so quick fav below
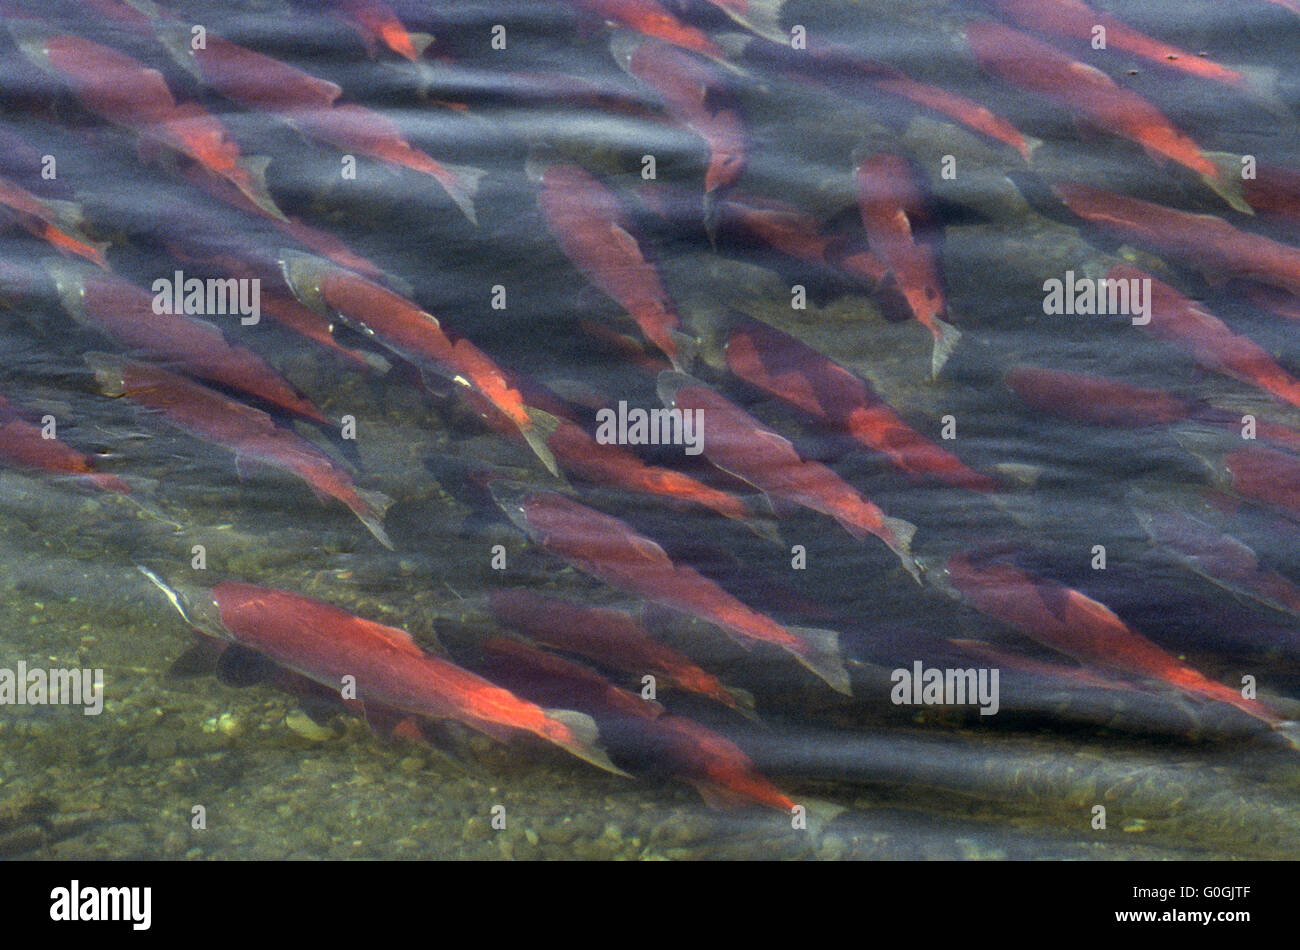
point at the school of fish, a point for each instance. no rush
(661, 561)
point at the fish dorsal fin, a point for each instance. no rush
(398, 639)
(650, 550)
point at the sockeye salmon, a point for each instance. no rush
(25, 445)
(612, 638)
(413, 334)
(128, 93)
(695, 95)
(589, 223)
(1181, 320)
(376, 22)
(1111, 402)
(1210, 244)
(125, 312)
(390, 670)
(609, 550)
(1078, 626)
(57, 223)
(635, 729)
(249, 433)
(889, 200)
(1074, 20)
(790, 370)
(739, 444)
(1030, 64)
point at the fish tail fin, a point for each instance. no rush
(586, 743)
(823, 657)
(900, 542)
(370, 510)
(1262, 83)
(1289, 730)
(821, 813)
(542, 426)
(421, 42)
(1206, 446)
(762, 18)
(742, 701)
(761, 521)
(108, 370)
(688, 350)
(1227, 183)
(255, 188)
(66, 277)
(1032, 145)
(946, 338)
(174, 37)
(462, 185)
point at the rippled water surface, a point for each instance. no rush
(282, 774)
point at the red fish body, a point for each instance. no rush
(888, 200)
(843, 71)
(1078, 626)
(1098, 401)
(1220, 558)
(55, 222)
(797, 234)
(326, 644)
(1031, 64)
(1111, 402)
(721, 772)
(1075, 20)
(611, 638)
(125, 91)
(249, 433)
(609, 550)
(737, 443)
(790, 370)
(581, 455)
(411, 333)
(125, 312)
(1208, 243)
(353, 128)
(377, 23)
(25, 445)
(1274, 192)
(650, 18)
(247, 77)
(692, 91)
(1180, 320)
(588, 221)
(1267, 476)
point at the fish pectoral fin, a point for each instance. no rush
(239, 666)
(542, 427)
(822, 657)
(201, 659)
(821, 813)
(715, 796)
(945, 342)
(255, 166)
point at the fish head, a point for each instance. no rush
(195, 604)
(304, 273)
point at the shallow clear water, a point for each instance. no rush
(1177, 777)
